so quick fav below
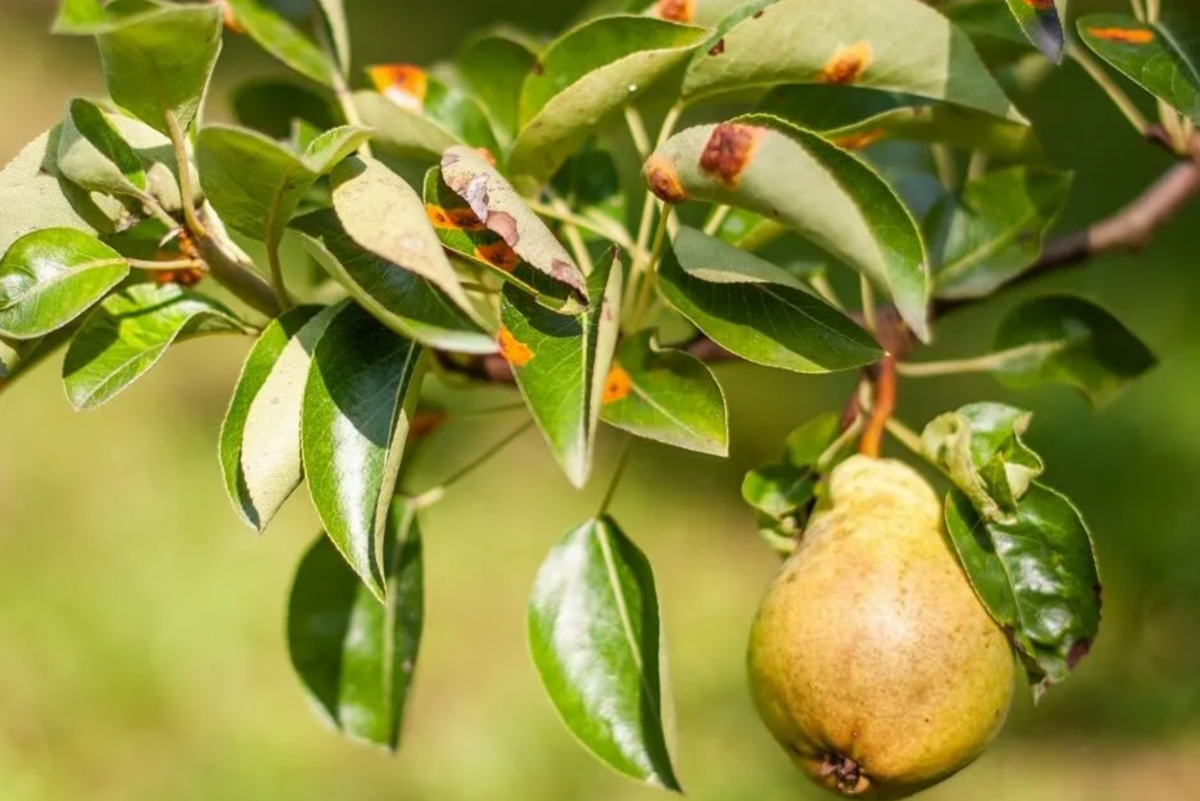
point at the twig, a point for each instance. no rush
(881, 410)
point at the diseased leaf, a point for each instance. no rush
(665, 395)
(494, 65)
(354, 655)
(560, 363)
(1162, 57)
(993, 230)
(50, 277)
(706, 13)
(129, 332)
(899, 46)
(92, 154)
(360, 395)
(1036, 576)
(1040, 22)
(756, 163)
(277, 35)
(590, 72)
(403, 301)
(773, 324)
(1068, 340)
(596, 636)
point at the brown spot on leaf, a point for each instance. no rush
(538, 68)
(617, 384)
(718, 48)
(663, 179)
(676, 10)
(1040, 5)
(425, 423)
(1079, 649)
(1132, 36)
(462, 219)
(499, 255)
(847, 64)
(404, 84)
(486, 155)
(515, 352)
(758, 14)
(861, 140)
(729, 151)
(505, 225)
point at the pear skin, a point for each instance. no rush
(871, 660)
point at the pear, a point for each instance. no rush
(871, 660)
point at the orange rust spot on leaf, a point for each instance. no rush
(677, 10)
(404, 84)
(1040, 5)
(231, 22)
(861, 140)
(847, 64)
(617, 385)
(1133, 36)
(515, 352)
(486, 155)
(663, 179)
(499, 255)
(729, 152)
(462, 219)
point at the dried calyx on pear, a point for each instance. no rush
(871, 660)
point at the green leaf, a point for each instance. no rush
(92, 153)
(78, 17)
(806, 445)
(403, 301)
(993, 230)
(665, 395)
(494, 65)
(903, 46)
(1162, 57)
(355, 655)
(334, 12)
(158, 160)
(706, 13)
(590, 184)
(560, 363)
(993, 30)
(360, 396)
(255, 183)
(756, 163)
(384, 215)
(496, 204)
(260, 437)
(461, 232)
(590, 72)
(157, 64)
(420, 116)
(855, 118)
(595, 633)
(779, 490)
(771, 324)
(50, 277)
(129, 332)
(1036, 576)
(1040, 22)
(272, 106)
(278, 36)
(1067, 340)
(18, 357)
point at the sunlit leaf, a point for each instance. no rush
(276, 34)
(494, 65)
(92, 154)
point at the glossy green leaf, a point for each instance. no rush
(272, 106)
(855, 118)
(276, 34)
(334, 12)
(756, 163)
(1040, 22)
(403, 301)
(260, 437)
(901, 46)
(665, 395)
(50, 277)
(560, 363)
(1162, 57)
(129, 332)
(1036, 576)
(806, 444)
(361, 392)
(78, 17)
(766, 323)
(256, 184)
(157, 64)
(355, 655)
(590, 72)
(1068, 340)
(494, 65)
(596, 637)
(993, 230)
(779, 490)
(496, 204)
(92, 154)
(384, 215)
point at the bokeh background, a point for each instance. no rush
(142, 652)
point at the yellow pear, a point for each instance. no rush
(871, 660)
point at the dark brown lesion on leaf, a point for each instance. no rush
(663, 179)
(729, 151)
(718, 48)
(847, 64)
(1079, 649)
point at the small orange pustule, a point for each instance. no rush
(404, 84)
(617, 385)
(515, 352)
(847, 64)
(663, 179)
(1133, 36)
(1040, 5)
(676, 10)
(499, 255)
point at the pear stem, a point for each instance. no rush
(881, 410)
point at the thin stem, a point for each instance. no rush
(979, 364)
(613, 232)
(471, 286)
(637, 131)
(184, 162)
(840, 444)
(651, 273)
(618, 473)
(978, 165)
(825, 289)
(947, 169)
(1110, 87)
(340, 87)
(669, 123)
(578, 246)
(432, 496)
(1139, 9)
(1153, 10)
(906, 437)
(158, 212)
(868, 304)
(716, 219)
(881, 410)
(277, 282)
(182, 264)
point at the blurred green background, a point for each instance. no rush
(142, 654)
